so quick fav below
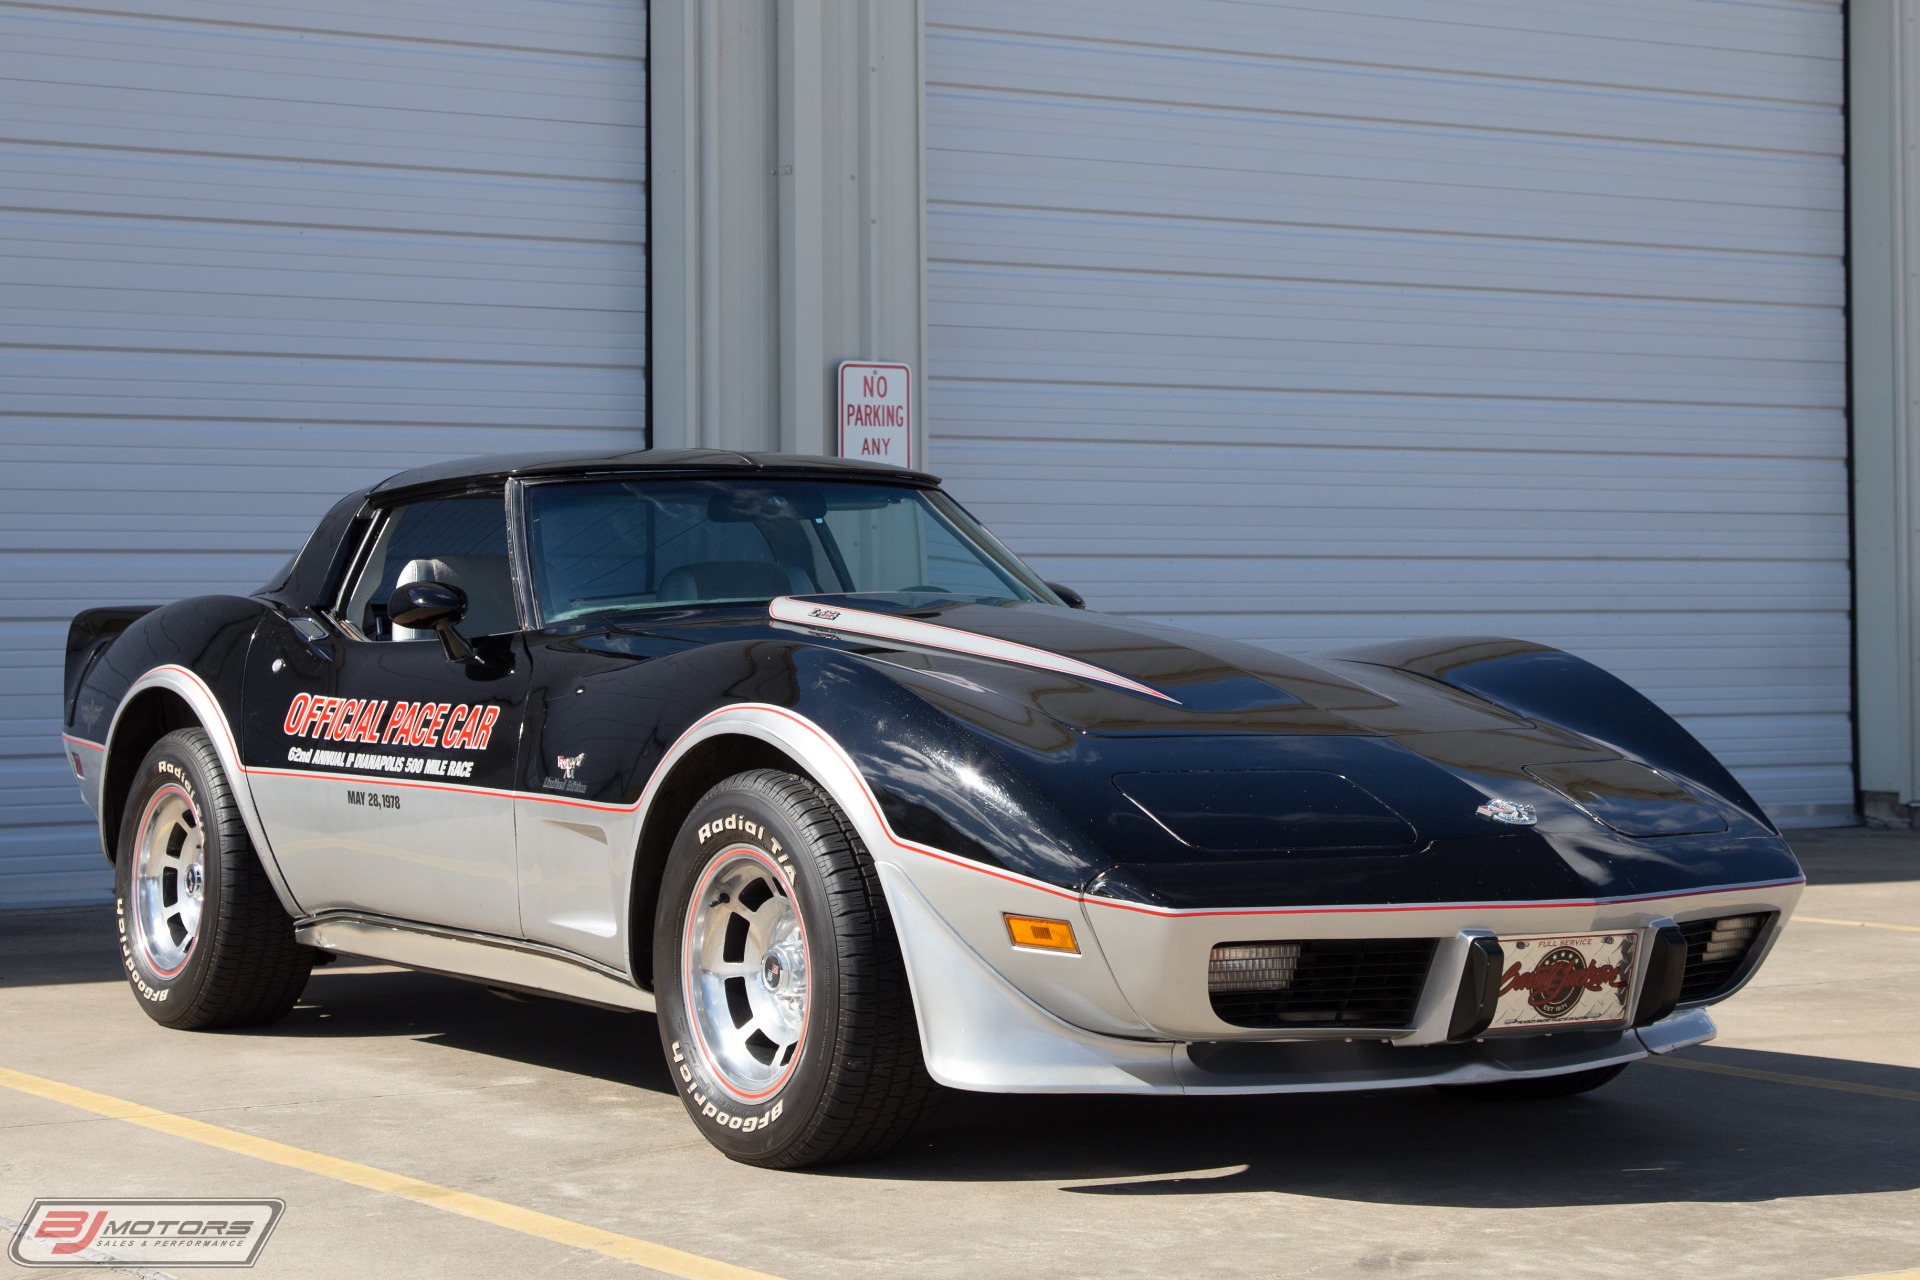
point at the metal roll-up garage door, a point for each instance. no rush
(1313, 325)
(255, 254)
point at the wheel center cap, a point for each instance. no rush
(772, 971)
(196, 881)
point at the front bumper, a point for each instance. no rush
(1132, 1014)
(1159, 958)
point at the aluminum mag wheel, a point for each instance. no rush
(745, 972)
(169, 879)
(203, 937)
(783, 1002)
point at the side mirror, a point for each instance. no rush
(1073, 599)
(432, 606)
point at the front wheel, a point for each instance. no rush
(1534, 1087)
(204, 940)
(783, 1001)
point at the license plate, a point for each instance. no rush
(1565, 981)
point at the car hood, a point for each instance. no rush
(1101, 674)
(1279, 753)
(1170, 767)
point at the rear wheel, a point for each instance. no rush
(783, 1001)
(1532, 1087)
(203, 937)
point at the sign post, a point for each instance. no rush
(876, 412)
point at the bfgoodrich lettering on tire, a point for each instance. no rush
(784, 1008)
(204, 940)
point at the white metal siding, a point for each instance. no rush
(253, 255)
(1319, 325)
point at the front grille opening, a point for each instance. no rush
(1320, 982)
(1717, 952)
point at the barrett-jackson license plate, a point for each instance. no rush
(1565, 982)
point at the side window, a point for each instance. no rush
(459, 541)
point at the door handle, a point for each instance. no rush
(313, 633)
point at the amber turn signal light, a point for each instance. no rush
(1042, 935)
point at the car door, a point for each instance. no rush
(606, 701)
(381, 766)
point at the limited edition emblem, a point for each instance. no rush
(1514, 815)
(568, 766)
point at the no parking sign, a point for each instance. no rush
(876, 412)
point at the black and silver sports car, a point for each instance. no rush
(796, 754)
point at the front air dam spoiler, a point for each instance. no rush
(981, 1033)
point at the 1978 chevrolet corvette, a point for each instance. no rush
(797, 755)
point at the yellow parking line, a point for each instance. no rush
(1863, 924)
(544, 1226)
(1888, 1275)
(1781, 1077)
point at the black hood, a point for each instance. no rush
(1102, 674)
(1171, 767)
(1348, 763)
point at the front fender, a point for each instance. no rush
(1555, 687)
(937, 781)
(965, 933)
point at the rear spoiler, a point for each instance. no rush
(92, 633)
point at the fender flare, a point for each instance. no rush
(962, 1003)
(829, 764)
(200, 699)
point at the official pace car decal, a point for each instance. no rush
(447, 726)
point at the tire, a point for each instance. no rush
(783, 1002)
(225, 957)
(1537, 1087)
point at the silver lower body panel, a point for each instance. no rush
(492, 961)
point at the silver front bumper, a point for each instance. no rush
(1132, 1014)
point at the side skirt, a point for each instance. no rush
(477, 957)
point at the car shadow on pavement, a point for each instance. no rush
(53, 947)
(1656, 1134)
(352, 999)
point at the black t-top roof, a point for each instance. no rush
(501, 466)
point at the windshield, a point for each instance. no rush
(612, 546)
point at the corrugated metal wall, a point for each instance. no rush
(1318, 325)
(253, 255)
